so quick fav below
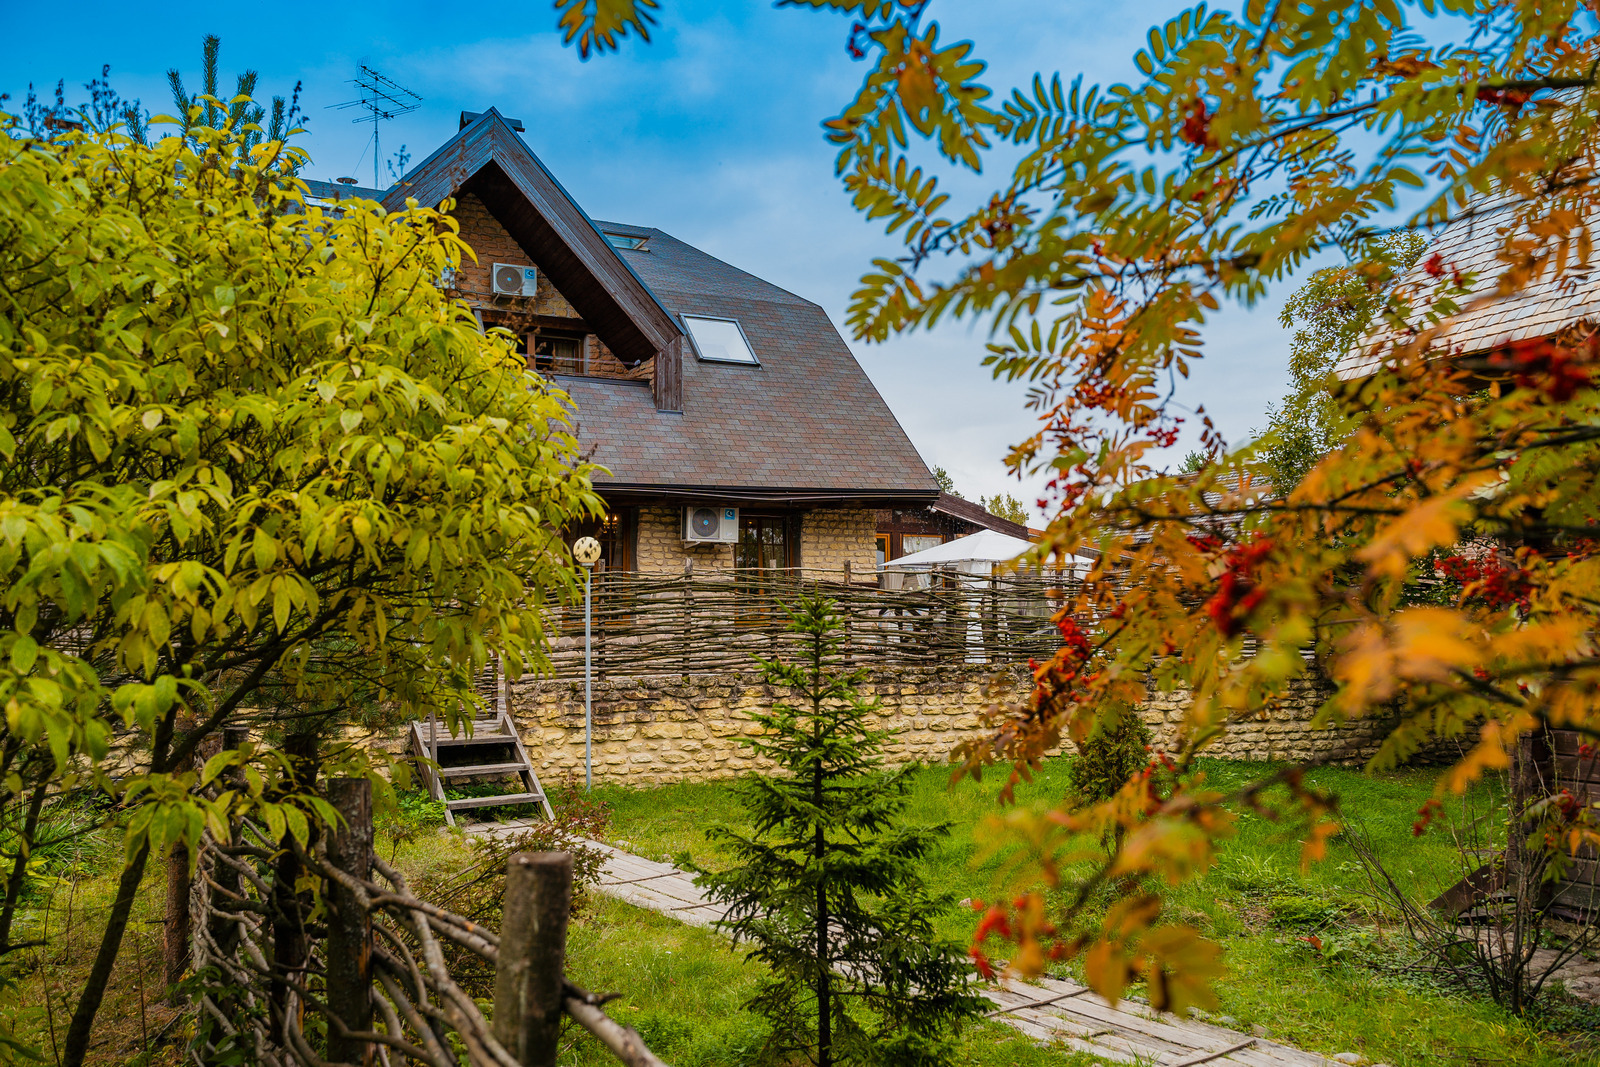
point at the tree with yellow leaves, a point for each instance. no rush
(250, 454)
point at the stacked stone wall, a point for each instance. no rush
(828, 538)
(832, 537)
(670, 728)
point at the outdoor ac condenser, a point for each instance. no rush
(509, 279)
(704, 524)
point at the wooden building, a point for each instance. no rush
(737, 428)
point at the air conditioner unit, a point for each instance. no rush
(512, 280)
(705, 525)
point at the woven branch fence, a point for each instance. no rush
(357, 975)
(652, 624)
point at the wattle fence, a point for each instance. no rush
(357, 976)
(654, 624)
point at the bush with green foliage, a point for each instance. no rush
(1117, 749)
(824, 888)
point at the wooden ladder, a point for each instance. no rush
(491, 749)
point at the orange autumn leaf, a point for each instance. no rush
(1433, 523)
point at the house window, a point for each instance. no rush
(624, 240)
(764, 543)
(883, 549)
(556, 353)
(719, 340)
(910, 543)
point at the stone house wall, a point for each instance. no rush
(491, 244)
(669, 728)
(828, 537)
(831, 537)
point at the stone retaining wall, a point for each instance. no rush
(669, 728)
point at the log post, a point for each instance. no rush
(349, 924)
(528, 982)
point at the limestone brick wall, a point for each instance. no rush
(1282, 731)
(830, 536)
(662, 548)
(668, 728)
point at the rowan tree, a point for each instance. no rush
(1240, 146)
(244, 441)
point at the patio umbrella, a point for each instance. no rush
(985, 546)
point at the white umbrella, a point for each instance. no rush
(985, 546)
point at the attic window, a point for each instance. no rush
(719, 340)
(624, 240)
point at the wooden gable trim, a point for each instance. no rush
(488, 159)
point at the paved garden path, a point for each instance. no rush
(1050, 1011)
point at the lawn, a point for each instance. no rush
(684, 988)
(1356, 994)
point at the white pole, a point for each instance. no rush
(588, 671)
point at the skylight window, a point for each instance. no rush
(624, 240)
(719, 340)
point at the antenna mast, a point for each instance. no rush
(382, 99)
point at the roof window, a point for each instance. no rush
(624, 240)
(719, 340)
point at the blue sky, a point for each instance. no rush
(711, 132)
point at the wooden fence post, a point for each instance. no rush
(528, 982)
(349, 948)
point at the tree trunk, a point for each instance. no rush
(19, 868)
(819, 849)
(349, 944)
(77, 1041)
(175, 934)
(290, 946)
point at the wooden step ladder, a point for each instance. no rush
(492, 749)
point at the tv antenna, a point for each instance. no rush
(382, 99)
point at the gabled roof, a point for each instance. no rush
(1470, 245)
(805, 425)
(488, 159)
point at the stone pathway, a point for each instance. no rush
(1051, 1011)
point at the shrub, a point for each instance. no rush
(1116, 750)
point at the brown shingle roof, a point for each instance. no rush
(1470, 245)
(805, 424)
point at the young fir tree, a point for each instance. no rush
(824, 887)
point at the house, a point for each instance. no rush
(737, 428)
(1470, 245)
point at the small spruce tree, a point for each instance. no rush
(824, 887)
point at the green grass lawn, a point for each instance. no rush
(684, 988)
(1354, 996)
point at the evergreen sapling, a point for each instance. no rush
(824, 888)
